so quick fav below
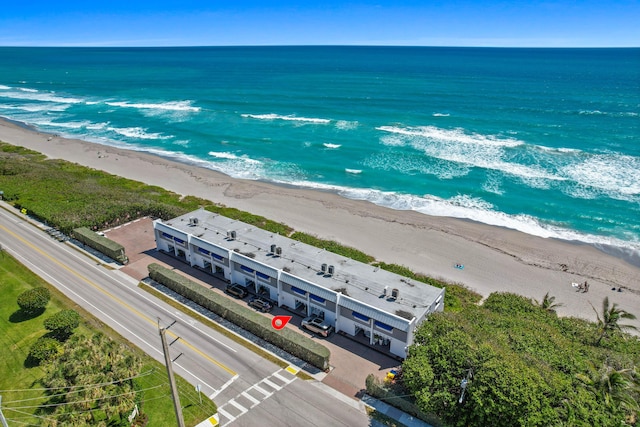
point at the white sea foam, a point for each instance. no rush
(332, 146)
(353, 171)
(26, 89)
(346, 125)
(441, 114)
(3, 87)
(40, 96)
(32, 108)
(287, 118)
(618, 175)
(457, 135)
(230, 156)
(472, 149)
(166, 106)
(139, 133)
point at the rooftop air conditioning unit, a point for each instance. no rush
(273, 249)
(323, 268)
(193, 221)
(330, 270)
(231, 234)
(395, 293)
(386, 290)
(278, 251)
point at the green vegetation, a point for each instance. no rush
(67, 196)
(113, 250)
(63, 323)
(34, 301)
(525, 367)
(609, 321)
(22, 380)
(291, 341)
(255, 220)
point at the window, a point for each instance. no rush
(218, 257)
(383, 326)
(167, 236)
(179, 240)
(247, 269)
(262, 275)
(317, 299)
(359, 316)
(204, 251)
(298, 291)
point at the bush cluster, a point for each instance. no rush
(34, 300)
(290, 341)
(63, 323)
(45, 350)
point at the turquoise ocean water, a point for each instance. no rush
(546, 141)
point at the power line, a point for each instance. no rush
(141, 375)
(85, 401)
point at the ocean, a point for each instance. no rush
(545, 141)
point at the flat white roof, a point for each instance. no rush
(359, 281)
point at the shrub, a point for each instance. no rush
(63, 323)
(45, 350)
(34, 300)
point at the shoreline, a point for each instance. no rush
(495, 258)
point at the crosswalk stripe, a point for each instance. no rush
(226, 414)
(271, 384)
(249, 397)
(241, 408)
(283, 379)
(263, 391)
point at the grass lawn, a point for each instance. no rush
(19, 382)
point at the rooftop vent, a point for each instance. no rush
(231, 235)
(395, 293)
(193, 220)
(278, 251)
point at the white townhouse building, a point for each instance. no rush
(358, 299)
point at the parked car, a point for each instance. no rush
(260, 304)
(317, 325)
(237, 291)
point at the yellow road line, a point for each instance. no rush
(116, 299)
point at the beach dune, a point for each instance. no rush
(494, 258)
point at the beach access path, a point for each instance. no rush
(495, 259)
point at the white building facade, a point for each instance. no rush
(356, 298)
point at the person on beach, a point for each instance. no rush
(585, 287)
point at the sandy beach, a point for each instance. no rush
(494, 259)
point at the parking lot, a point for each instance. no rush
(351, 361)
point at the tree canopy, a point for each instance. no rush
(525, 367)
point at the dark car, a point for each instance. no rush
(261, 305)
(317, 325)
(237, 291)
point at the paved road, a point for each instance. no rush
(248, 389)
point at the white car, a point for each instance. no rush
(317, 325)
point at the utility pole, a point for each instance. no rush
(172, 382)
(2, 419)
(464, 383)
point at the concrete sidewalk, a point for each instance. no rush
(394, 413)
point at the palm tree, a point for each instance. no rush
(616, 389)
(549, 303)
(610, 319)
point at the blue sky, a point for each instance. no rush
(562, 23)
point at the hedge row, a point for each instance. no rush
(113, 250)
(287, 339)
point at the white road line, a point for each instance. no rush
(241, 408)
(225, 385)
(59, 285)
(226, 414)
(273, 385)
(283, 379)
(247, 396)
(261, 390)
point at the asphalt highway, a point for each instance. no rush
(248, 389)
